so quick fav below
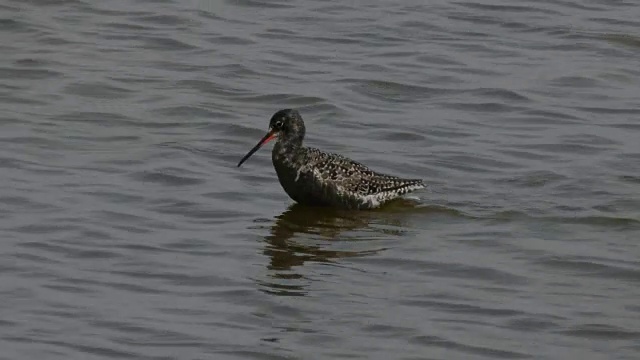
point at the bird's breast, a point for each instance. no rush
(288, 172)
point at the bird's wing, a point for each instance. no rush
(352, 177)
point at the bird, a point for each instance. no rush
(317, 178)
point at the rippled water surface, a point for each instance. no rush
(128, 232)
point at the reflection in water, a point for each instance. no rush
(320, 223)
(303, 233)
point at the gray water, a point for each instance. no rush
(128, 232)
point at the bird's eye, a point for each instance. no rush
(279, 124)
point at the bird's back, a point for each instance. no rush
(332, 179)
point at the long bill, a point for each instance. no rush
(270, 136)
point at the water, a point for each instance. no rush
(129, 233)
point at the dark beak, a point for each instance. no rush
(270, 136)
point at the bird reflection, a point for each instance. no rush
(307, 234)
(320, 223)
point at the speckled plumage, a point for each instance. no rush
(311, 176)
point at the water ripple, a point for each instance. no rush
(129, 232)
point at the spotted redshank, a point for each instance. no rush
(313, 177)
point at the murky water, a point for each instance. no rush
(129, 233)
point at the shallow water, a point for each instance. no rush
(129, 232)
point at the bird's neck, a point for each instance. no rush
(287, 147)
